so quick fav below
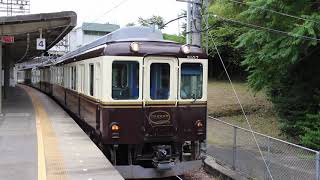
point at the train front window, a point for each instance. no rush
(191, 81)
(125, 80)
(159, 81)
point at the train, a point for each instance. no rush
(140, 98)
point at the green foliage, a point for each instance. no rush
(223, 34)
(311, 128)
(156, 21)
(285, 65)
(269, 55)
(176, 38)
(311, 138)
(130, 24)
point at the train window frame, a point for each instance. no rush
(138, 73)
(98, 81)
(173, 62)
(201, 81)
(204, 63)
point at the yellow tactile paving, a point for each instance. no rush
(50, 159)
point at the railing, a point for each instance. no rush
(235, 147)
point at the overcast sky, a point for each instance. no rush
(103, 11)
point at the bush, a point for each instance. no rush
(297, 100)
(311, 137)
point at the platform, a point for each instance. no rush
(39, 140)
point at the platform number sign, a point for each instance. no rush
(41, 44)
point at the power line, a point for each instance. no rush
(110, 10)
(257, 27)
(269, 29)
(242, 109)
(180, 17)
(276, 12)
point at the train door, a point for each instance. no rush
(160, 95)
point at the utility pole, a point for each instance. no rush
(194, 19)
(196, 23)
(207, 26)
(188, 37)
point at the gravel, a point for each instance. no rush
(198, 175)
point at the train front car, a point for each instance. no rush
(153, 122)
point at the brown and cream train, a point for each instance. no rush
(142, 99)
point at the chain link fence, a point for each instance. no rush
(235, 147)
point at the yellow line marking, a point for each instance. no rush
(50, 159)
(42, 174)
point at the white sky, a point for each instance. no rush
(129, 11)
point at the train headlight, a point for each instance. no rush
(115, 127)
(134, 47)
(199, 124)
(115, 130)
(185, 49)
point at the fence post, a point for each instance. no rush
(268, 158)
(318, 166)
(234, 148)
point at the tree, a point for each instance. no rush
(156, 21)
(282, 64)
(130, 24)
(176, 38)
(224, 35)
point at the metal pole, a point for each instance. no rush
(268, 155)
(188, 24)
(234, 157)
(196, 23)
(207, 26)
(318, 166)
(1, 79)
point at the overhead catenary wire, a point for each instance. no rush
(257, 27)
(107, 12)
(27, 49)
(276, 12)
(268, 29)
(165, 24)
(242, 109)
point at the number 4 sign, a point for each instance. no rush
(41, 44)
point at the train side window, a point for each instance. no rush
(97, 84)
(75, 78)
(82, 78)
(191, 81)
(125, 80)
(62, 76)
(91, 79)
(159, 81)
(72, 78)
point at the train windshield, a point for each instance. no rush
(125, 80)
(191, 81)
(159, 81)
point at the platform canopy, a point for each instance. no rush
(25, 29)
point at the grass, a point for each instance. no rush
(223, 104)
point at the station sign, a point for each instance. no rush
(7, 39)
(41, 44)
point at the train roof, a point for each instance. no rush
(118, 43)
